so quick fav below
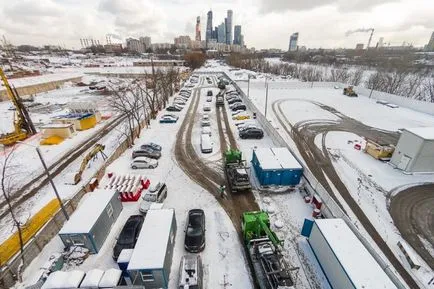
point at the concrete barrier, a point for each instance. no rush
(38, 88)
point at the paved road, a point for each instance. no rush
(319, 162)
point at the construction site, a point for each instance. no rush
(244, 179)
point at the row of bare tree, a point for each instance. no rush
(141, 99)
(403, 82)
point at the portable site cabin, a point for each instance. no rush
(81, 121)
(91, 222)
(415, 150)
(276, 166)
(345, 261)
(55, 133)
(379, 151)
(151, 260)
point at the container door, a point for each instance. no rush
(405, 160)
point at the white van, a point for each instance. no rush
(205, 143)
(206, 107)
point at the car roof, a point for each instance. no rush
(141, 158)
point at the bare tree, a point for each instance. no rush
(7, 188)
(429, 90)
(356, 77)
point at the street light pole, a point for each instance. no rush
(52, 183)
(248, 86)
(266, 99)
(62, 207)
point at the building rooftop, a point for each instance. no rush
(276, 158)
(88, 212)
(357, 262)
(151, 246)
(423, 132)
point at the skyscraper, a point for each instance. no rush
(229, 27)
(221, 35)
(293, 42)
(209, 27)
(237, 34)
(198, 36)
(430, 45)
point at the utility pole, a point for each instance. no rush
(52, 184)
(248, 86)
(266, 100)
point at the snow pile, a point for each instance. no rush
(93, 278)
(110, 278)
(60, 279)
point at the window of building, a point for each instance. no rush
(147, 276)
(109, 210)
(77, 240)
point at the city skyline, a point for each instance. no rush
(64, 22)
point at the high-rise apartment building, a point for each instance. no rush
(146, 42)
(293, 42)
(237, 34)
(228, 21)
(209, 27)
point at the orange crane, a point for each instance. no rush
(23, 125)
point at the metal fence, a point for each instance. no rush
(331, 209)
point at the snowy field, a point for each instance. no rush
(368, 180)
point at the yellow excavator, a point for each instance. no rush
(349, 91)
(23, 125)
(98, 148)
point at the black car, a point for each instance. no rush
(151, 145)
(251, 133)
(239, 107)
(209, 93)
(234, 100)
(195, 231)
(128, 237)
(173, 108)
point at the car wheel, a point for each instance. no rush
(134, 167)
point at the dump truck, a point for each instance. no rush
(219, 100)
(236, 171)
(221, 84)
(264, 252)
(349, 91)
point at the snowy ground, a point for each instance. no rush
(223, 256)
(377, 179)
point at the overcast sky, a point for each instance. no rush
(265, 23)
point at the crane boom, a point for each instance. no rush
(370, 38)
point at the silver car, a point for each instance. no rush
(143, 163)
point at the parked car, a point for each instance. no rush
(168, 118)
(230, 97)
(190, 272)
(206, 130)
(247, 126)
(205, 116)
(205, 144)
(154, 146)
(234, 100)
(143, 163)
(205, 122)
(239, 106)
(245, 122)
(128, 237)
(195, 231)
(147, 152)
(155, 194)
(209, 99)
(209, 93)
(173, 108)
(251, 133)
(206, 107)
(241, 116)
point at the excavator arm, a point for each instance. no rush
(98, 148)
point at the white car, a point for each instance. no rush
(205, 122)
(205, 116)
(206, 130)
(156, 194)
(143, 163)
(206, 107)
(245, 122)
(209, 98)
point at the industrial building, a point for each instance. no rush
(276, 166)
(345, 261)
(80, 121)
(90, 224)
(415, 150)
